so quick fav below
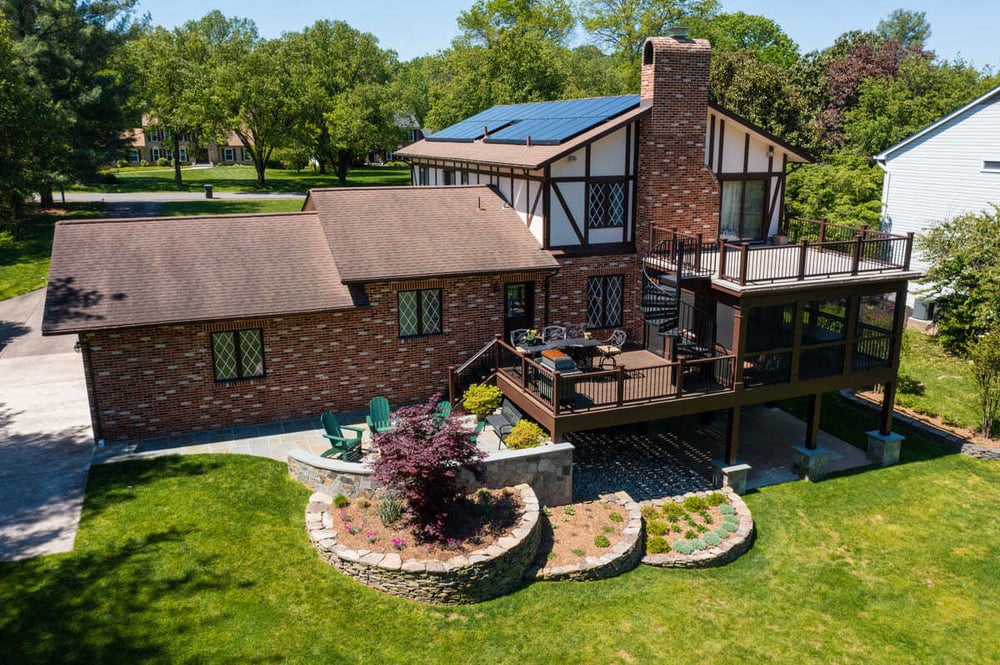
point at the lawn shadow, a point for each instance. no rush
(64, 613)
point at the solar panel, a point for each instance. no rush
(547, 123)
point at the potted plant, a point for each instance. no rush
(481, 399)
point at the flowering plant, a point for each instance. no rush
(372, 536)
(531, 336)
(454, 544)
(398, 543)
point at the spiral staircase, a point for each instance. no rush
(691, 329)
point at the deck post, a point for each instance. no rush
(697, 254)
(555, 392)
(722, 259)
(803, 253)
(856, 259)
(744, 257)
(909, 250)
(812, 421)
(621, 386)
(888, 405)
(496, 352)
(451, 383)
(822, 231)
(732, 435)
(680, 377)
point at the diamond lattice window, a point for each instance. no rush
(238, 354)
(607, 204)
(604, 301)
(419, 312)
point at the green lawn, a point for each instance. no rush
(24, 263)
(206, 559)
(244, 179)
(229, 207)
(935, 383)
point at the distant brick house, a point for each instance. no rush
(657, 214)
(150, 143)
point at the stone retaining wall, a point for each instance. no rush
(728, 550)
(623, 557)
(331, 476)
(467, 578)
(548, 469)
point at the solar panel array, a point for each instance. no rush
(545, 123)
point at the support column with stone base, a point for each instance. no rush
(883, 449)
(733, 476)
(810, 463)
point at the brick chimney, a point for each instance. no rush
(675, 187)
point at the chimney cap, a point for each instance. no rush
(678, 32)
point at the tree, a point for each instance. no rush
(342, 79)
(964, 275)
(622, 26)
(487, 21)
(421, 457)
(16, 133)
(984, 356)
(908, 28)
(171, 67)
(844, 189)
(68, 54)
(749, 32)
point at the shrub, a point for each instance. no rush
(144, 163)
(163, 161)
(715, 499)
(608, 529)
(727, 510)
(657, 528)
(731, 519)
(578, 552)
(481, 399)
(676, 528)
(420, 458)
(694, 503)
(711, 539)
(649, 513)
(569, 510)
(673, 511)
(389, 509)
(690, 534)
(657, 545)
(525, 434)
(701, 528)
(730, 527)
(602, 541)
(616, 517)
(698, 544)
(121, 163)
(341, 501)
(721, 533)
(683, 547)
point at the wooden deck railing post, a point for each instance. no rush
(744, 259)
(803, 254)
(909, 251)
(856, 259)
(680, 377)
(451, 383)
(722, 260)
(524, 372)
(555, 392)
(496, 352)
(621, 386)
(697, 254)
(822, 230)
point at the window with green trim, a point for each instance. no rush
(419, 312)
(238, 354)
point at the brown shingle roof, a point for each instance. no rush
(532, 157)
(133, 272)
(383, 233)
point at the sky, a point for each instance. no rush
(959, 28)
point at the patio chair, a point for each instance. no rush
(551, 333)
(442, 411)
(611, 348)
(517, 335)
(340, 445)
(575, 331)
(378, 415)
(474, 436)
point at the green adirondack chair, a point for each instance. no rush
(378, 415)
(442, 411)
(340, 444)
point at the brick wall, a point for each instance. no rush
(157, 381)
(675, 187)
(568, 290)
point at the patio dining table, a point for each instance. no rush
(579, 344)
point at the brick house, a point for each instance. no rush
(658, 214)
(150, 143)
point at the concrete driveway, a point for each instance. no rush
(46, 442)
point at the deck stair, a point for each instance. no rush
(664, 272)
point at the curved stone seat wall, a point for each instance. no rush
(728, 550)
(465, 578)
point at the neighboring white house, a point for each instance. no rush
(947, 169)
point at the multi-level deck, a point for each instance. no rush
(807, 317)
